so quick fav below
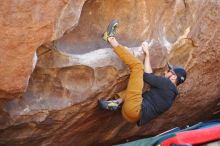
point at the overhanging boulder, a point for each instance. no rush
(59, 106)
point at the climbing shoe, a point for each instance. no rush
(109, 105)
(111, 30)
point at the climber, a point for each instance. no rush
(137, 107)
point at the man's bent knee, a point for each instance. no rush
(131, 113)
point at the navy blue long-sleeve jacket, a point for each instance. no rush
(158, 99)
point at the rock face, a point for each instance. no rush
(59, 106)
(25, 25)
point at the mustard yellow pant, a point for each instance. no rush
(132, 96)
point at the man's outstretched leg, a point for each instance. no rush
(133, 96)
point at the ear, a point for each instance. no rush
(174, 77)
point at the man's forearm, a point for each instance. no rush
(147, 65)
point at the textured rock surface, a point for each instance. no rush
(59, 106)
(25, 25)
